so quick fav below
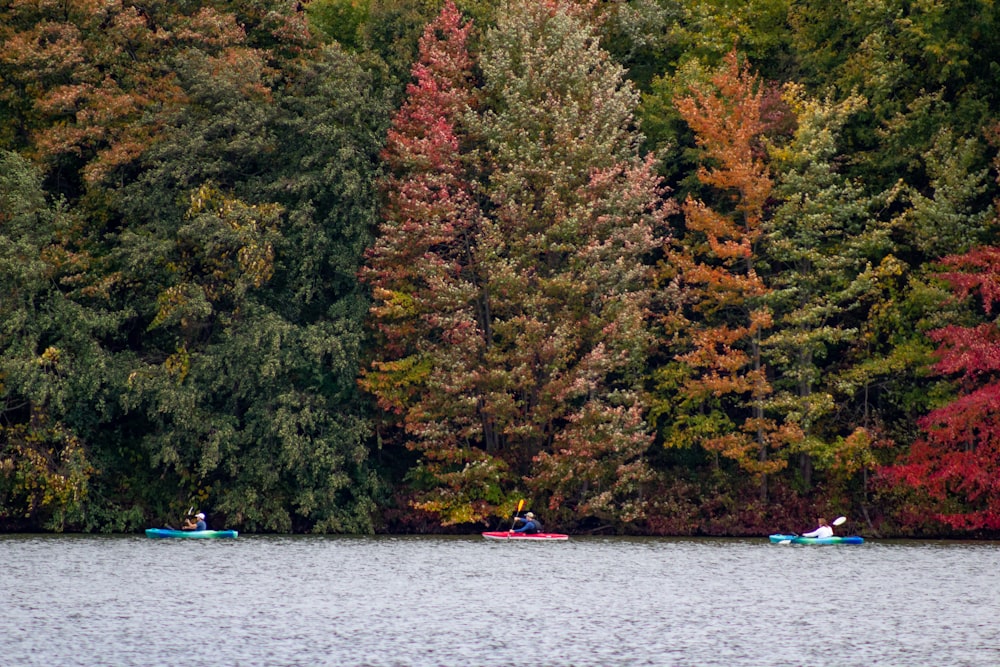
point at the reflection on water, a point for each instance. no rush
(431, 601)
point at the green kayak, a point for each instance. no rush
(190, 534)
(796, 539)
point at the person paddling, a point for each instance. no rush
(198, 523)
(531, 524)
(824, 529)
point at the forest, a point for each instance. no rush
(652, 267)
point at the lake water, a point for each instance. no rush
(456, 601)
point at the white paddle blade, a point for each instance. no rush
(839, 520)
(785, 542)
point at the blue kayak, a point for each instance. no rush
(190, 534)
(796, 539)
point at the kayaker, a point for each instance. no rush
(824, 529)
(196, 525)
(531, 524)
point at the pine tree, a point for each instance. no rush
(817, 244)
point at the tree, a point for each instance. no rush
(818, 243)
(222, 202)
(531, 299)
(575, 217)
(725, 389)
(245, 377)
(50, 364)
(954, 466)
(431, 308)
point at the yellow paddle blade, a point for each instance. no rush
(520, 504)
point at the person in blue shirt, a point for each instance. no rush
(531, 524)
(196, 525)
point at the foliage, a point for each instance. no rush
(339, 20)
(513, 326)
(204, 249)
(955, 463)
(430, 306)
(48, 365)
(222, 254)
(727, 312)
(247, 382)
(921, 65)
(817, 243)
(576, 217)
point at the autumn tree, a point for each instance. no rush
(723, 386)
(574, 218)
(953, 467)
(431, 307)
(530, 299)
(86, 84)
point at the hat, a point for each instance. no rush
(199, 515)
(530, 515)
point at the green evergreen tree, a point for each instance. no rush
(819, 243)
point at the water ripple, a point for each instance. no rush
(431, 602)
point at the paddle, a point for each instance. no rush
(520, 504)
(836, 522)
(169, 527)
(187, 519)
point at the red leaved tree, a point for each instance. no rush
(431, 307)
(956, 464)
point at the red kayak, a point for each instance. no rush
(536, 537)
